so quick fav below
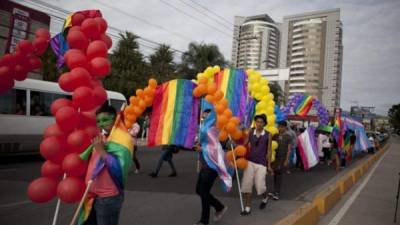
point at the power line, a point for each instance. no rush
(143, 20)
(194, 18)
(214, 13)
(205, 14)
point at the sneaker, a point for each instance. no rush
(276, 196)
(245, 213)
(154, 175)
(173, 174)
(264, 203)
(218, 215)
(270, 194)
(136, 171)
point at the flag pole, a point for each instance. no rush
(237, 174)
(57, 207)
(89, 184)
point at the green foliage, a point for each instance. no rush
(49, 67)
(162, 66)
(394, 116)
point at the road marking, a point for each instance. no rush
(14, 204)
(353, 197)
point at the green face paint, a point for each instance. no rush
(104, 120)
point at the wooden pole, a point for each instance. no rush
(237, 175)
(57, 207)
(81, 203)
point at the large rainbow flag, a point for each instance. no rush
(175, 114)
(119, 147)
(232, 82)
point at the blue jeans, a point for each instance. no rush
(166, 155)
(105, 210)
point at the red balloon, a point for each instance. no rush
(87, 118)
(53, 130)
(100, 66)
(78, 138)
(96, 83)
(6, 72)
(96, 49)
(20, 57)
(77, 39)
(42, 189)
(71, 189)
(106, 39)
(40, 44)
(52, 148)
(74, 28)
(58, 104)
(8, 60)
(75, 58)
(74, 166)
(102, 24)
(81, 77)
(25, 46)
(92, 131)
(83, 98)
(20, 73)
(42, 33)
(51, 170)
(65, 82)
(6, 83)
(90, 28)
(99, 96)
(67, 119)
(77, 19)
(34, 63)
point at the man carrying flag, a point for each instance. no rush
(109, 157)
(213, 164)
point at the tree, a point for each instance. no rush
(162, 66)
(129, 71)
(49, 68)
(198, 57)
(394, 116)
(277, 91)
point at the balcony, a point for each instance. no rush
(297, 72)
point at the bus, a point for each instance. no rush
(25, 114)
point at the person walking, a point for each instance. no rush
(134, 131)
(166, 155)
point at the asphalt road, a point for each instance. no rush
(161, 200)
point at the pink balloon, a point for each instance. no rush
(42, 189)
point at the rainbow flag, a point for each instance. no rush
(232, 82)
(175, 114)
(346, 146)
(119, 147)
(305, 105)
(338, 131)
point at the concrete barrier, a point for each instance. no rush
(345, 183)
(356, 174)
(306, 214)
(326, 199)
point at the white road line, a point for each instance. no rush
(353, 197)
(14, 204)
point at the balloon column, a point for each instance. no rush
(17, 65)
(138, 103)
(75, 119)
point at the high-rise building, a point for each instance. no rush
(311, 46)
(255, 42)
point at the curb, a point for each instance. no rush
(325, 200)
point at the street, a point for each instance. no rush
(161, 200)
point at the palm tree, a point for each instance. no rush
(198, 57)
(162, 66)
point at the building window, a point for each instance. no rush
(13, 102)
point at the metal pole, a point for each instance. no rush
(397, 200)
(237, 175)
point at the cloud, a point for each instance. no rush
(371, 34)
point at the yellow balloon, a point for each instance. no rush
(216, 69)
(199, 76)
(271, 119)
(258, 96)
(274, 145)
(271, 95)
(270, 111)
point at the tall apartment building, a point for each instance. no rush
(255, 42)
(311, 46)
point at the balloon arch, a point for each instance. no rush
(302, 104)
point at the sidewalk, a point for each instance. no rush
(372, 200)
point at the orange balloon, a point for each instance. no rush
(203, 80)
(196, 92)
(229, 156)
(147, 91)
(218, 95)
(230, 127)
(128, 124)
(202, 88)
(241, 163)
(219, 124)
(237, 134)
(131, 118)
(129, 109)
(219, 108)
(137, 111)
(223, 135)
(140, 93)
(152, 92)
(210, 98)
(153, 83)
(228, 113)
(240, 151)
(222, 119)
(142, 104)
(235, 120)
(211, 89)
(224, 102)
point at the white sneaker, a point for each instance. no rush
(136, 171)
(218, 215)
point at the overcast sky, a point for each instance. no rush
(371, 34)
